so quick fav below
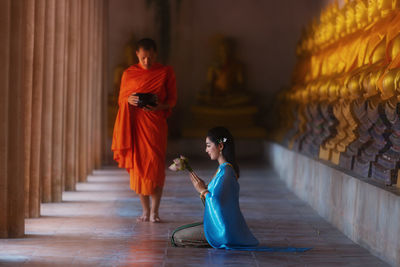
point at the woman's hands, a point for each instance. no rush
(198, 183)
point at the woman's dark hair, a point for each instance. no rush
(222, 135)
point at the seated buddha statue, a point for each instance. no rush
(224, 99)
(350, 11)
(358, 110)
(376, 121)
(225, 78)
(384, 7)
(329, 122)
(373, 11)
(385, 166)
(340, 24)
(313, 123)
(334, 101)
(338, 109)
(346, 129)
(323, 121)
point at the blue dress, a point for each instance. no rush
(224, 224)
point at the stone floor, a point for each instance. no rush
(95, 226)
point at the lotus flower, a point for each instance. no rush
(180, 164)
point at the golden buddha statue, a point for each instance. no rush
(384, 165)
(351, 23)
(388, 90)
(333, 98)
(361, 13)
(349, 92)
(395, 47)
(357, 112)
(385, 133)
(320, 118)
(373, 11)
(340, 24)
(225, 78)
(329, 121)
(350, 62)
(384, 6)
(386, 82)
(329, 31)
(224, 100)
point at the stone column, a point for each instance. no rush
(58, 109)
(83, 93)
(98, 87)
(29, 36)
(5, 22)
(104, 80)
(11, 129)
(38, 63)
(90, 84)
(46, 159)
(77, 95)
(72, 72)
(64, 97)
(15, 169)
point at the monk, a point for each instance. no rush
(140, 133)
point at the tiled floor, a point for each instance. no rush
(95, 226)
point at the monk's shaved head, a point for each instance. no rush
(146, 44)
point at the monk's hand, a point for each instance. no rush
(133, 99)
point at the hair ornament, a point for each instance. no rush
(223, 140)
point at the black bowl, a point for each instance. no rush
(146, 99)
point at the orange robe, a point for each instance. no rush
(140, 137)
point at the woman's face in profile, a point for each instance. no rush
(211, 149)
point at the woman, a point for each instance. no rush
(223, 223)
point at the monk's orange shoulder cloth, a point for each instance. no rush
(122, 138)
(159, 80)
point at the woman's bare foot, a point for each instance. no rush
(143, 218)
(154, 218)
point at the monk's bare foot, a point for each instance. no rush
(143, 218)
(154, 218)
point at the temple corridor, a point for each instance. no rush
(95, 226)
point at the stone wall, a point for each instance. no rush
(366, 213)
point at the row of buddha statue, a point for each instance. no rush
(344, 104)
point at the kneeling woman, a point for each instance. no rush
(223, 223)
